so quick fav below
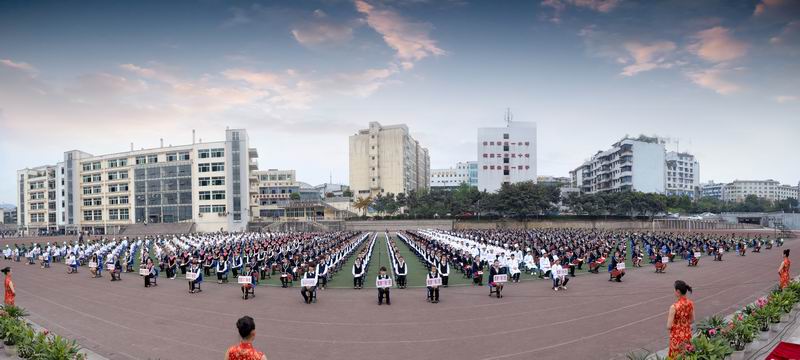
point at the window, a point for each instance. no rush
(141, 160)
(218, 208)
(217, 153)
(118, 188)
(152, 159)
(505, 160)
(203, 154)
(505, 136)
(87, 215)
(205, 195)
(217, 166)
(204, 181)
(172, 157)
(118, 200)
(204, 209)
(183, 156)
(218, 195)
(218, 180)
(204, 167)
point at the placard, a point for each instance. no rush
(383, 283)
(697, 254)
(620, 266)
(245, 279)
(433, 282)
(40, 257)
(501, 278)
(92, 265)
(664, 259)
(144, 272)
(110, 267)
(562, 273)
(544, 264)
(305, 282)
(192, 276)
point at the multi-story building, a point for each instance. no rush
(273, 192)
(9, 216)
(453, 177)
(769, 189)
(386, 159)
(472, 166)
(682, 174)
(712, 190)
(554, 181)
(506, 155)
(630, 165)
(204, 183)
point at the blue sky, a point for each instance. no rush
(719, 78)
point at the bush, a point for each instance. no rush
(741, 331)
(712, 326)
(14, 312)
(703, 348)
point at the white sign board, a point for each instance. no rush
(110, 267)
(562, 273)
(41, 257)
(620, 266)
(92, 265)
(383, 283)
(433, 282)
(192, 276)
(664, 259)
(500, 278)
(308, 282)
(144, 272)
(245, 279)
(697, 254)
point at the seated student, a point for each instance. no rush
(309, 292)
(692, 258)
(72, 261)
(616, 274)
(194, 285)
(513, 268)
(237, 264)
(718, 254)
(637, 258)
(477, 272)
(383, 293)
(95, 266)
(660, 265)
(595, 265)
(46, 259)
(559, 280)
(358, 274)
(152, 273)
(402, 272)
(222, 270)
(286, 273)
(116, 274)
(249, 289)
(245, 349)
(496, 288)
(172, 266)
(433, 291)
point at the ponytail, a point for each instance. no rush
(681, 286)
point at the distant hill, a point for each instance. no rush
(7, 206)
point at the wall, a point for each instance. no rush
(391, 225)
(648, 167)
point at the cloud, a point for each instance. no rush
(239, 17)
(322, 31)
(647, 57)
(789, 35)
(410, 40)
(778, 8)
(714, 79)
(717, 45)
(365, 83)
(559, 6)
(22, 66)
(783, 99)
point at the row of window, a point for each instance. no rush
(37, 185)
(205, 209)
(514, 155)
(37, 196)
(211, 153)
(97, 189)
(505, 143)
(37, 206)
(212, 181)
(117, 175)
(206, 167)
(97, 201)
(89, 166)
(36, 218)
(113, 214)
(506, 167)
(212, 195)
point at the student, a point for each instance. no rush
(94, 266)
(322, 273)
(444, 269)
(116, 274)
(383, 292)
(559, 281)
(222, 270)
(172, 265)
(249, 289)
(237, 264)
(402, 272)
(433, 291)
(245, 350)
(10, 291)
(513, 268)
(309, 292)
(497, 287)
(358, 274)
(152, 273)
(286, 275)
(194, 285)
(477, 271)
(73, 264)
(679, 320)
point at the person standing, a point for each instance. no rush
(444, 270)
(433, 291)
(679, 320)
(358, 274)
(402, 272)
(383, 293)
(11, 293)
(245, 350)
(784, 269)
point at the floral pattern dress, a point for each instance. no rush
(244, 351)
(681, 333)
(9, 295)
(785, 273)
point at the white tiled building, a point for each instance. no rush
(451, 177)
(682, 174)
(769, 189)
(630, 164)
(506, 155)
(205, 183)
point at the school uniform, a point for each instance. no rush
(358, 276)
(309, 292)
(444, 270)
(433, 291)
(383, 292)
(402, 272)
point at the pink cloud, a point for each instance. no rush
(559, 6)
(647, 57)
(765, 7)
(411, 40)
(714, 79)
(22, 66)
(783, 99)
(717, 45)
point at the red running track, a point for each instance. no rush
(593, 319)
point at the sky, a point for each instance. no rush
(720, 79)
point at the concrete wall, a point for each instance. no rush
(393, 225)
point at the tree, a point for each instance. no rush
(294, 196)
(363, 204)
(347, 193)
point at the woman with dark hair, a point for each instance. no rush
(245, 350)
(679, 320)
(9, 285)
(784, 270)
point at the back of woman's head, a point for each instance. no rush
(681, 286)
(786, 252)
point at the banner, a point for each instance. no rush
(434, 282)
(664, 259)
(110, 267)
(620, 266)
(500, 278)
(144, 272)
(192, 276)
(562, 273)
(697, 254)
(245, 279)
(383, 283)
(308, 282)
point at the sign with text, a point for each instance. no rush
(501, 278)
(144, 272)
(308, 282)
(110, 267)
(383, 283)
(562, 272)
(697, 254)
(621, 266)
(245, 279)
(92, 265)
(192, 276)
(433, 282)
(664, 259)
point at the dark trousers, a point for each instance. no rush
(478, 279)
(235, 272)
(323, 280)
(308, 293)
(358, 281)
(194, 285)
(207, 270)
(433, 293)
(515, 277)
(444, 280)
(147, 280)
(183, 269)
(284, 281)
(383, 293)
(401, 280)
(222, 276)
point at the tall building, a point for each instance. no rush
(205, 183)
(386, 159)
(712, 190)
(769, 189)
(554, 181)
(630, 165)
(273, 191)
(453, 177)
(683, 174)
(506, 155)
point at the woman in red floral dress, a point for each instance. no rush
(245, 350)
(679, 320)
(783, 270)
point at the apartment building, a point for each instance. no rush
(768, 189)
(386, 159)
(453, 177)
(272, 193)
(682, 174)
(506, 155)
(629, 165)
(205, 183)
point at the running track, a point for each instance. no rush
(594, 319)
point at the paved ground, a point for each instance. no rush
(594, 319)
